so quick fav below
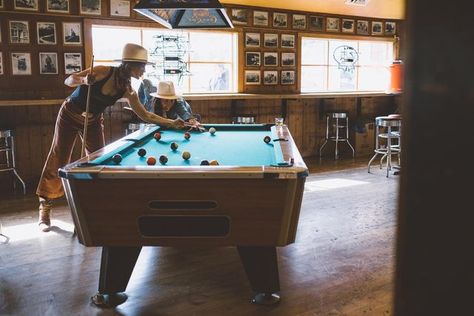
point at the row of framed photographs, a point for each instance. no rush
(86, 7)
(270, 77)
(240, 16)
(48, 63)
(270, 40)
(252, 59)
(45, 33)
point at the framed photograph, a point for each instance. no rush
(362, 27)
(46, 32)
(48, 63)
(1, 63)
(19, 32)
(288, 59)
(287, 77)
(287, 41)
(30, 5)
(270, 40)
(299, 21)
(90, 7)
(316, 23)
(252, 39)
(60, 6)
(280, 19)
(270, 77)
(332, 24)
(252, 77)
(270, 59)
(1, 4)
(72, 33)
(252, 59)
(239, 16)
(260, 18)
(377, 28)
(390, 28)
(120, 8)
(21, 64)
(348, 26)
(72, 63)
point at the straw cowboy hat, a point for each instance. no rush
(166, 91)
(135, 53)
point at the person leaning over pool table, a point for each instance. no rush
(107, 84)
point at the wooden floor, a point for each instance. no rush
(342, 262)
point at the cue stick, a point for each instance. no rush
(86, 120)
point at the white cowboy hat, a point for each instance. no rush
(166, 91)
(134, 53)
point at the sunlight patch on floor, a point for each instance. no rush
(330, 184)
(30, 231)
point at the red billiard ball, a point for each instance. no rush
(151, 161)
(187, 135)
(186, 155)
(117, 158)
(174, 146)
(163, 159)
(267, 139)
(157, 136)
(141, 152)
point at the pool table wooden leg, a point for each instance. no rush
(261, 267)
(116, 267)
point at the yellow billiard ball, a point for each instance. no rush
(186, 155)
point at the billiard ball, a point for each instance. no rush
(151, 161)
(163, 159)
(267, 139)
(214, 163)
(174, 146)
(204, 163)
(157, 136)
(212, 130)
(117, 158)
(186, 155)
(187, 135)
(141, 152)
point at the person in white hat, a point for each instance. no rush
(170, 104)
(107, 85)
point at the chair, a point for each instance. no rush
(7, 146)
(337, 130)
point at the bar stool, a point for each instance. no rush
(7, 146)
(337, 130)
(387, 129)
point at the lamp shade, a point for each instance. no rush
(179, 14)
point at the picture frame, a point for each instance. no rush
(287, 41)
(239, 16)
(280, 19)
(90, 7)
(19, 32)
(120, 8)
(299, 21)
(362, 27)
(270, 40)
(377, 28)
(72, 33)
(27, 5)
(332, 24)
(252, 39)
(58, 6)
(252, 59)
(21, 63)
(252, 77)
(316, 23)
(288, 59)
(1, 63)
(260, 18)
(348, 26)
(46, 33)
(390, 28)
(270, 59)
(72, 63)
(1, 4)
(270, 77)
(48, 63)
(288, 77)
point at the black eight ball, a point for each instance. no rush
(141, 152)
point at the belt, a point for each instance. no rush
(71, 106)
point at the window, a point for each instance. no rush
(191, 59)
(340, 65)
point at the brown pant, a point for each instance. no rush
(69, 125)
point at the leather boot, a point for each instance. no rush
(44, 220)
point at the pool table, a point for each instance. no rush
(250, 200)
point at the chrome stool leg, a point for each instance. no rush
(14, 166)
(327, 137)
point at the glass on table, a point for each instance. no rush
(279, 121)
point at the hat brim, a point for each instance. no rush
(169, 97)
(135, 61)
